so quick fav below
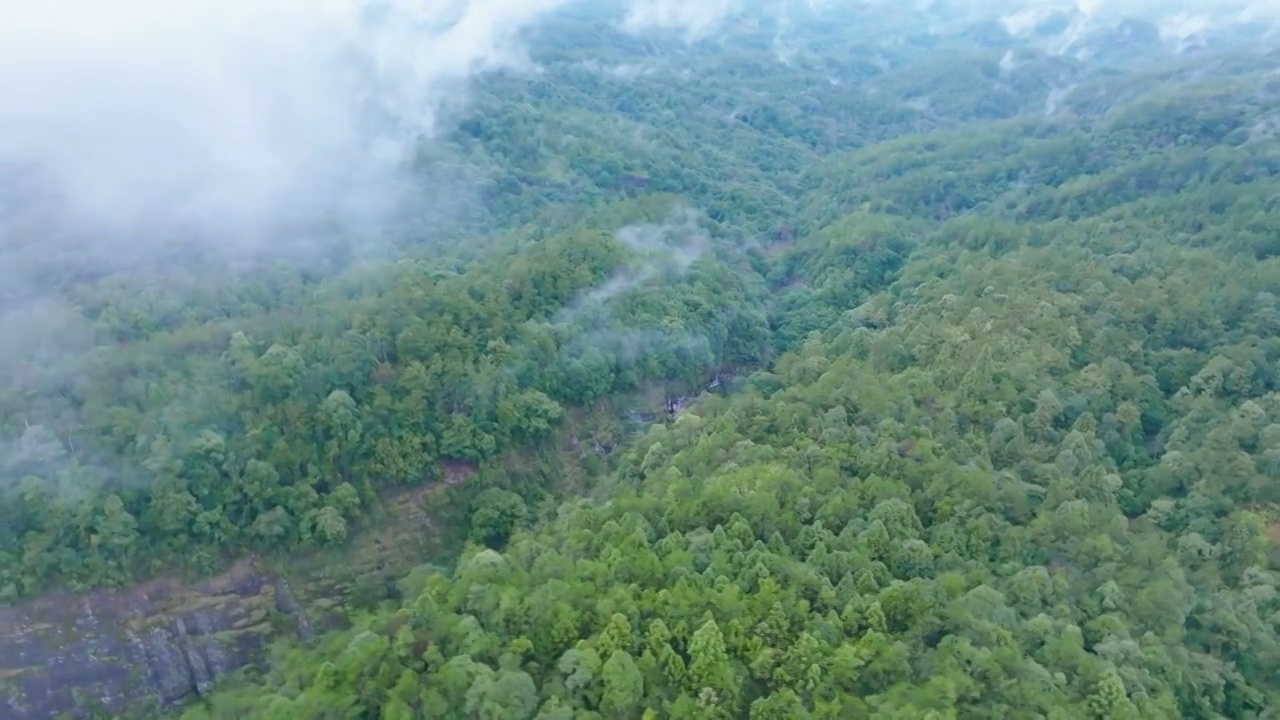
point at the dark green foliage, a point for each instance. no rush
(1008, 443)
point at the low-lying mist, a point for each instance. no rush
(236, 124)
(167, 144)
(164, 141)
(139, 129)
(239, 125)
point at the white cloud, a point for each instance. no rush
(241, 117)
(236, 114)
(695, 18)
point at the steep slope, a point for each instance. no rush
(1010, 444)
(1020, 462)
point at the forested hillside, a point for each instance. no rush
(185, 416)
(1004, 439)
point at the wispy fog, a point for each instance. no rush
(245, 123)
(152, 133)
(234, 120)
(694, 19)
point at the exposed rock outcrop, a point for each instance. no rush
(157, 644)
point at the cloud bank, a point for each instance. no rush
(235, 117)
(695, 18)
(242, 121)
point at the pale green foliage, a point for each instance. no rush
(1003, 435)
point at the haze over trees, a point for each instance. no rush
(989, 302)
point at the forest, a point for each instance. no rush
(979, 362)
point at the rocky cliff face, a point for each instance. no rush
(156, 645)
(165, 642)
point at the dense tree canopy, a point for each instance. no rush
(1006, 441)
